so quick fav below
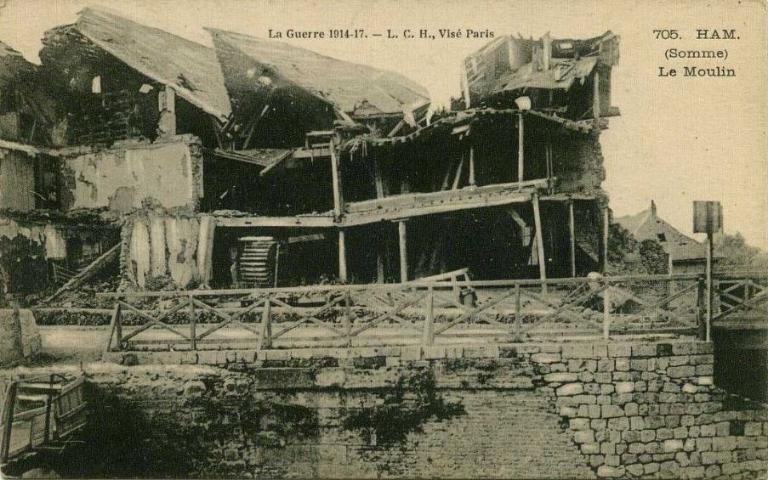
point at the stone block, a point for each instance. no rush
(590, 448)
(598, 424)
(570, 389)
(709, 458)
(664, 434)
(621, 364)
(593, 411)
(584, 436)
(608, 471)
(647, 436)
(636, 423)
(752, 429)
(545, 357)
(644, 350)
(705, 370)
(605, 365)
(618, 423)
(568, 411)
(638, 364)
(560, 377)
(619, 350)
(635, 469)
(586, 377)
(631, 409)
(684, 348)
(650, 468)
(579, 424)
(624, 387)
(705, 380)
(577, 350)
(681, 371)
(672, 445)
(630, 436)
(608, 448)
(610, 411)
(680, 432)
(636, 447)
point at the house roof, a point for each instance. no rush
(191, 69)
(350, 87)
(647, 225)
(561, 75)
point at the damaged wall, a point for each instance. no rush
(158, 247)
(17, 181)
(131, 174)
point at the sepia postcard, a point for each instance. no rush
(503, 239)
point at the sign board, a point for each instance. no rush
(707, 217)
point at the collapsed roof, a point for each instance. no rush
(354, 89)
(191, 69)
(513, 66)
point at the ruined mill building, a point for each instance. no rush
(257, 163)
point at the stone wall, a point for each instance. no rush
(131, 174)
(572, 410)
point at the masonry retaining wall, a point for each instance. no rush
(572, 410)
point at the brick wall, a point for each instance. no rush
(573, 410)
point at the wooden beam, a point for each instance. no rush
(397, 207)
(540, 242)
(520, 149)
(309, 221)
(342, 256)
(572, 237)
(338, 199)
(9, 403)
(401, 231)
(472, 166)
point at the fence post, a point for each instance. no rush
(518, 311)
(428, 337)
(348, 316)
(607, 312)
(192, 323)
(112, 328)
(7, 421)
(700, 308)
(265, 339)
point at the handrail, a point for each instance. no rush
(399, 286)
(421, 312)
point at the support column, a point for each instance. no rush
(338, 197)
(572, 237)
(540, 242)
(520, 149)
(342, 256)
(378, 180)
(401, 230)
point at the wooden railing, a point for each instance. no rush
(398, 314)
(742, 295)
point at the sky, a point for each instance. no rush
(678, 139)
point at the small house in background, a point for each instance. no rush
(687, 254)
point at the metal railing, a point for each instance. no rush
(424, 313)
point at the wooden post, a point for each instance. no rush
(338, 197)
(572, 237)
(265, 338)
(378, 180)
(472, 166)
(428, 337)
(167, 107)
(192, 323)
(401, 230)
(7, 421)
(520, 149)
(379, 264)
(596, 98)
(710, 292)
(606, 227)
(342, 256)
(518, 311)
(701, 292)
(540, 243)
(607, 313)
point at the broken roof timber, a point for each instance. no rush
(345, 85)
(298, 221)
(191, 69)
(399, 207)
